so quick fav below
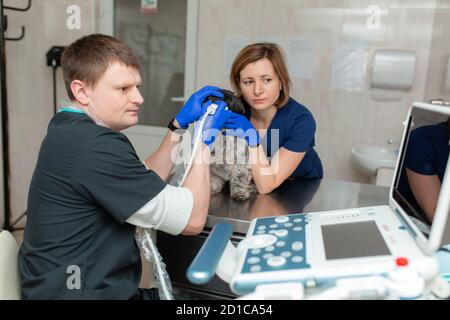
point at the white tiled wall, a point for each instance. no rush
(440, 53)
(344, 118)
(30, 86)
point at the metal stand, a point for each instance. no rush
(53, 60)
(54, 56)
(4, 105)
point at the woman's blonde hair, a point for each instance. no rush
(258, 51)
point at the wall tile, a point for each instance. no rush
(344, 118)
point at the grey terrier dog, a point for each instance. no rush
(230, 159)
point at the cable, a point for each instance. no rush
(197, 139)
(55, 103)
(162, 277)
(159, 268)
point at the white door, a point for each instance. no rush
(164, 37)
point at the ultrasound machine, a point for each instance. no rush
(379, 252)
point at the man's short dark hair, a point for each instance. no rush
(87, 59)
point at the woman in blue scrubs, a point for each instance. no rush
(279, 130)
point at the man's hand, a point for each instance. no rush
(192, 110)
(215, 122)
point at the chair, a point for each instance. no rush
(9, 272)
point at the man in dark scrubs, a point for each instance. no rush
(89, 189)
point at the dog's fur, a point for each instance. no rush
(231, 164)
(231, 160)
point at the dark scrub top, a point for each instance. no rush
(427, 153)
(88, 180)
(296, 127)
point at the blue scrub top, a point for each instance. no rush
(427, 154)
(296, 127)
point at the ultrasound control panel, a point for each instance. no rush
(277, 243)
(274, 248)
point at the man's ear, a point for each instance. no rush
(80, 91)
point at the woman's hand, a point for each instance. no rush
(239, 126)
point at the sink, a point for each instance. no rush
(369, 159)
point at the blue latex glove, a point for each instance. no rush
(215, 122)
(192, 110)
(239, 126)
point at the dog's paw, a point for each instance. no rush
(216, 184)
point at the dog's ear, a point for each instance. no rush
(234, 103)
(239, 106)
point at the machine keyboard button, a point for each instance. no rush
(255, 268)
(256, 251)
(267, 256)
(281, 233)
(260, 241)
(282, 219)
(253, 260)
(297, 245)
(276, 261)
(280, 244)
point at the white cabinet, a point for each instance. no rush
(384, 177)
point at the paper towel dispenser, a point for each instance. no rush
(393, 69)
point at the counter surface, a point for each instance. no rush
(294, 197)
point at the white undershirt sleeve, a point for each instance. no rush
(169, 211)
